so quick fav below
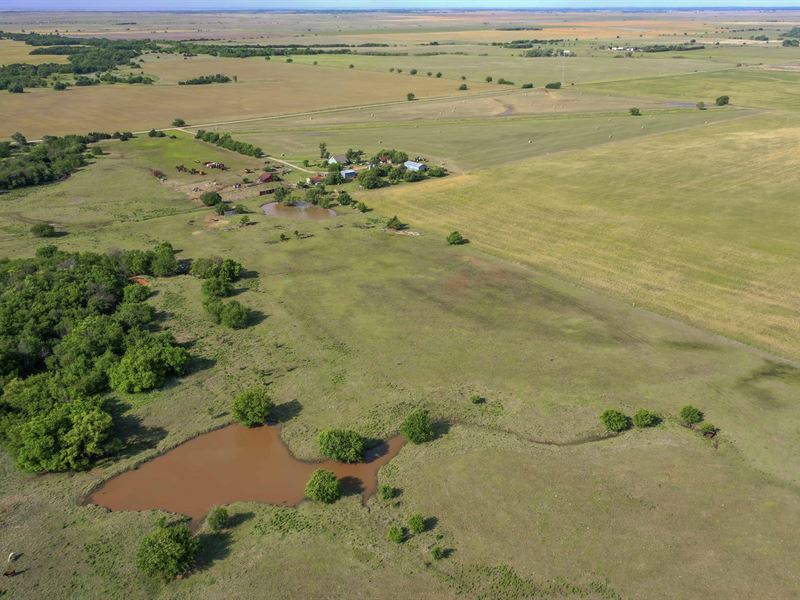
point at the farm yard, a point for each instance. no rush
(481, 277)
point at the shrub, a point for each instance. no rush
(708, 430)
(723, 100)
(456, 239)
(210, 198)
(438, 75)
(227, 269)
(135, 293)
(416, 523)
(644, 418)
(556, 85)
(324, 487)
(43, 230)
(411, 96)
(178, 123)
(413, 71)
(476, 399)
(218, 518)
(417, 427)
(615, 421)
(437, 553)
(362, 208)
(59, 86)
(395, 534)
(146, 364)
(463, 87)
(691, 415)
(395, 223)
(167, 552)
(216, 287)
(701, 105)
(341, 444)
(635, 112)
(489, 79)
(97, 151)
(252, 407)
(386, 492)
(527, 86)
(163, 262)
(234, 315)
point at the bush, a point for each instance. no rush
(227, 269)
(395, 223)
(417, 427)
(59, 86)
(163, 262)
(178, 123)
(395, 534)
(691, 415)
(341, 444)
(476, 399)
(635, 112)
(324, 487)
(701, 105)
(708, 430)
(217, 519)
(615, 421)
(43, 230)
(146, 364)
(463, 87)
(411, 96)
(216, 287)
(644, 418)
(438, 75)
(456, 239)
(386, 492)
(416, 523)
(252, 407)
(210, 198)
(135, 293)
(167, 552)
(234, 315)
(437, 553)
(556, 85)
(97, 151)
(723, 100)
(489, 79)
(527, 86)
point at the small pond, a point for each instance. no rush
(301, 210)
(233, 464)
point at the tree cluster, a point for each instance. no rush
(226, 141)
(219, 275)
(341, 444)
(206, 79)
(72, 328)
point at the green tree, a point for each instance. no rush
(234, 315)
(323, 150)
(416, 523)
(217, 518)
(324, 487)
(411, 96)
(701, 105)
(252, 407)
(635, 112)
(135, 293)
(437, 553)
(147, 362)
(644, 418)
(489, 79)
(163, 262)
(615, 421)
(708, 430)
(395, 534)
(43, 230)
(216, 287)
(386, 492)
(167, 551)
(210, 198)
(463, 87)
(417, 427)
(178, 123)
(691, 415)
(456, 239)
(396, 224)
(723, 100)
(343, 445)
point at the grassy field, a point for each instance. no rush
(19, 52)
(467, 144)
(281, 88)
(671, 222)
(339, 351)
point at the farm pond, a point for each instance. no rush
(301, 210)
(233, 464)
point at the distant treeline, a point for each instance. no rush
(250, 50)
(794, 32)
(206, 79)
(522, 44)
(89, 55)
(226, 141)
(520, 28)
(545, 52)
(670, 47)
(23, 164)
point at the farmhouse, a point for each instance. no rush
(265, 177)
(412, 165)
(348, 174)
(338, 159)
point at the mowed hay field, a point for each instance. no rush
(700, 224)
(474, 143)
(333, 341)
(19, 52)
(281, 88)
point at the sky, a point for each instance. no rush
(126, 5)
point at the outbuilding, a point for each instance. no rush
(265, 177)
(338, 159)
(348, 174)
(413, 165)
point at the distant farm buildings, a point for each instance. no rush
(338, 159)
(348, 174)
(265, 178)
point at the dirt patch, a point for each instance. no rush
(215, 222)
(140, 281)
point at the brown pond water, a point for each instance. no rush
(301, 210)
(233, 464)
